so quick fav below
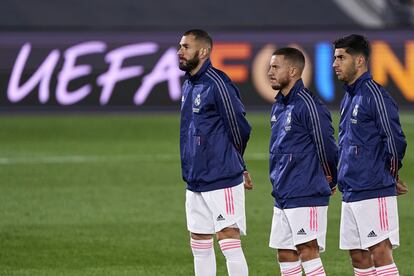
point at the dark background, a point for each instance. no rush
(61, 25)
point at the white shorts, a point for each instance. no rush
(211, 212)
(291, 227)
(368, 222)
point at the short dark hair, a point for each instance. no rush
(354, 44)
(292, 54)
(200, 35)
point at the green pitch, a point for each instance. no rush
(103, 195)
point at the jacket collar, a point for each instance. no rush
(200, 73)
(353, 88)
(292, 93)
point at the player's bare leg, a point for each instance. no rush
(309, 255)
(382, 257)
(382, 253)
(204, 256)
(289, 262)
(362, 262)
(308, 251)
(361, 258)
(287, 255)
(230, 244)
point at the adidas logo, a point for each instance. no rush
(301, 232)
(372, 234)
(220, 217)
(273, 119)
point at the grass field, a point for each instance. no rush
(103, 195)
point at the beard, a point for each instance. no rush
(190, 64)
(349, 74)
(279, 86)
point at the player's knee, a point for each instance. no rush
(308, 251)
(382, 253)
(361, 258)
(287, 256)
(228, 233)
(196, 236)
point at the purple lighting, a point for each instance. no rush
(70, 72)
(165, 70)
(116, 73)
(15, 92)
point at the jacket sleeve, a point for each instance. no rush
(319, 124)
(386, 118)
(232, 112)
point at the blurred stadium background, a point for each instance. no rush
(89, 103)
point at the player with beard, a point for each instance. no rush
(213, 136)
(303, 160)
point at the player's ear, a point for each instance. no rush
(292, 71)
(360, 60)
(203, 53)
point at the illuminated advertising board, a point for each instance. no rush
(66, 71)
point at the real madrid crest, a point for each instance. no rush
(288, 123)
(197, 102)
(355, 111)
(355, 114)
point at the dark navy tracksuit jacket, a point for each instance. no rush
(371, 142)
(303, 152)
(213, 131)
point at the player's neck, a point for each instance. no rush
(357, 76)
(286, 90)
(195, 70)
